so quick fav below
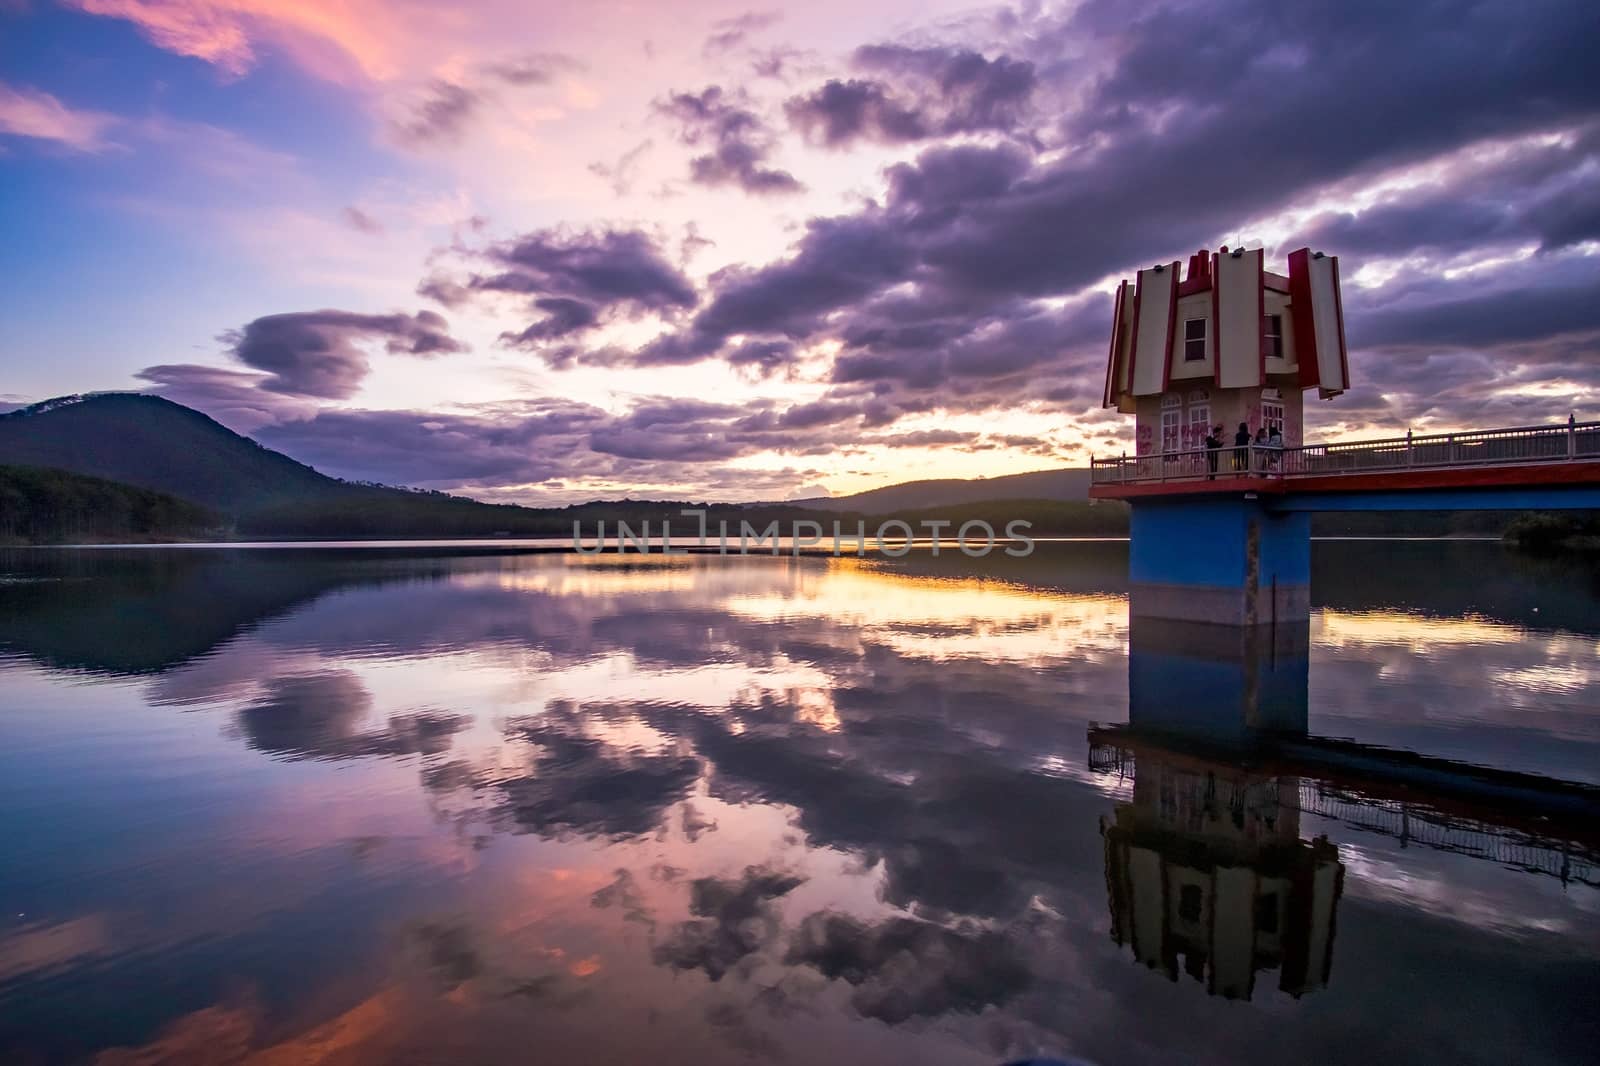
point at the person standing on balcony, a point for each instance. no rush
(1274, 448)
(1241, 447)
(1213, 449)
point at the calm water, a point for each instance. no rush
(378, 806)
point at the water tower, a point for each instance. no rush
(1230, 342)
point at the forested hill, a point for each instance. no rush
(159, 445)
(39, 506)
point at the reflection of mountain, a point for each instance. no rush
(146, 610)
(1207, 862)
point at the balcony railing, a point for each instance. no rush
(1515, 445)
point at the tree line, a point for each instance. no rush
(39, 505)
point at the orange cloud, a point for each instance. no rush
(586, 967)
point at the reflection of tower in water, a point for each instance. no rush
(1206, 861)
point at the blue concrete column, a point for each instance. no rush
(1221, 559)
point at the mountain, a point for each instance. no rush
(162, 446)
(1062, 484)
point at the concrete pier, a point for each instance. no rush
(1223, 559)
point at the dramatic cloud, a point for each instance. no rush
(958, 273)
(28, 112)
(576, 279)
(738, 142)
(1541, 191)
(971, 186)
(929, 92)
(319, 353)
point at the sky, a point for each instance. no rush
(544, 253)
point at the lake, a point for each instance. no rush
(455, 805)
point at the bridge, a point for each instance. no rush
(1223, 535)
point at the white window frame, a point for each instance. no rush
(1188, 340)
(1272, 413)
(1198, 419)
(1171, 423)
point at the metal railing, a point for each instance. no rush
(1411, 823)
(1514, 445)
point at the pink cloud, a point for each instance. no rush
(372, 38)
(28, 112)
(209, 31)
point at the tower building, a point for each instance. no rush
(1229, 342)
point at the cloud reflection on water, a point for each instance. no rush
(894, 870)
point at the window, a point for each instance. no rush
(1171, 425)
(1194, 340)
(1272, 336)
(1198, 422)
(1272, 415)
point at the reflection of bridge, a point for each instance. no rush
(1521, 821)
(1207, 862)
(1224, 535)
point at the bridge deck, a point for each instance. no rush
(1516, 457)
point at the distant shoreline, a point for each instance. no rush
(684, 546)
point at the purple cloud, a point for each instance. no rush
(319, 353)
(441, 116)
(575, 279)
(739, 142)
(918, 93)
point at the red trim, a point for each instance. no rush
(1261, 314)
(1302, 318)
(1199, 277)
(1338, 310)
(1585, 472)
(1216, 324)
(1116, 333)
(1172, 328)
(1275, 282)
(1133, 344)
